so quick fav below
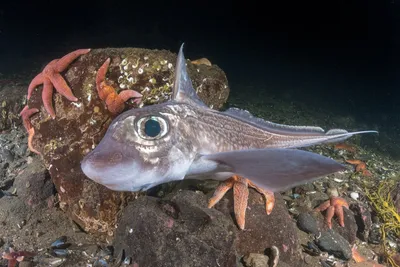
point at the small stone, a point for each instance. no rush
(375, 235)
(307, 223)
(354, 195)
(332, 192)
(37, 234)
(29, 160)
(255, 260)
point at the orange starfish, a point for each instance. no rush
(346, 147)
(114, 101)
(358, 258)
(240, 197)
(333, 206)
(50, 76)
(360, 166)
(25, 114)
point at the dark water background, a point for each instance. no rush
(342, 56)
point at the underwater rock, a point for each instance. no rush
(308, 223)
(263, 231)
(363, 219)
(178, 230)
(79, 126)
(34, 186)
(349, 231)
(335, 244)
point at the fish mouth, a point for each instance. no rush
(115, 172)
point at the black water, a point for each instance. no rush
(342, 56)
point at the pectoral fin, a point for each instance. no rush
(276, 169)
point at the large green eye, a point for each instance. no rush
(152, 127)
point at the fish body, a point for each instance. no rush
(184, 139)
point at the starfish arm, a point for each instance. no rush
(31, 133)
(268, 195)
(114, 103)
(35, 82)
(323, 206)
(339, 214)
(329, 215)
(240, 199)
(102, 88)
(25, 114)
(220, 192)
(47, 98)
(62, 87)
(12, 263)
(66, 60)
(128, 94)
(353, 161)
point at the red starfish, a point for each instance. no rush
(360, 166)
(240, 197)
(50, 76)
(25, 114)
(114, 101)
(334, 206)
(16, 256)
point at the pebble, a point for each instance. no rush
(307, 223)
(375, 235)
(255, 260)
(354, 195)
(332, 192)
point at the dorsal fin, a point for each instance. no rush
(183, 87)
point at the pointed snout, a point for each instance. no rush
(96, 163)
(100, 166)
(111, 165)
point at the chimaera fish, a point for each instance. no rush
(185, 139)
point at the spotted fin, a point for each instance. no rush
(183, 88)
(275, 169)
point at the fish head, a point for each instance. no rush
(141, 149)
(148, 146)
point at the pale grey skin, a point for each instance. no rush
(196, 142)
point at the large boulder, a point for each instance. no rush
(79, 126)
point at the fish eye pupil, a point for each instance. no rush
(152, 128)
